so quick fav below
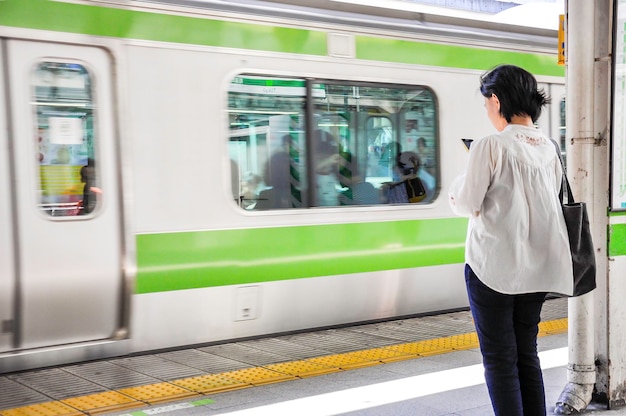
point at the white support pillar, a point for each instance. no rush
(580, 58)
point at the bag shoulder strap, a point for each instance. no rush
(564, 181)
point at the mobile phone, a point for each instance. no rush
(467, 142)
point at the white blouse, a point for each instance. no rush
(516, 239)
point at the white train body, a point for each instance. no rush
(169, 256)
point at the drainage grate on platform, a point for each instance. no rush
(110, 375)
(57, 384)
(157, 367)
(281, 346)
(44, 409)
(15, 394)
(242, 353)
(324, 344)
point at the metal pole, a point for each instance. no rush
(580, 58)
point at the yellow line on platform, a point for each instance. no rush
(140, 396)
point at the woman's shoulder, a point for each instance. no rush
(490, 141)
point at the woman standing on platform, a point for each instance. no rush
(517, 247)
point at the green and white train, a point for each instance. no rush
(138, 209)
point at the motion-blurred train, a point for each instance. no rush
(161, 167)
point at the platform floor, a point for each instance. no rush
(420, 366)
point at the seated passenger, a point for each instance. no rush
(429, 181)
(406, 185)
(250, 190)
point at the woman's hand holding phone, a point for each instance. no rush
(467, 143)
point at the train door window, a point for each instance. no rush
(64, 135)
(364, 140)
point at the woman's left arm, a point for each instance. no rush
(467, 191)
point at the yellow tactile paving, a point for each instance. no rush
(210, 383)
(399, 355)
(557, 326)
(159, 392)
(43, 409)
(465, 341)
(428, 347)
(258, 375)
(109, 401)
(302, 368)
(382, 354)
(411, 349)
(436, 346)
(346, 361)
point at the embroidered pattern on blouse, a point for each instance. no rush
(533, 141)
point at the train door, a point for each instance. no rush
(557, 114)
(7, 280)
(66, 202)
(552, 121)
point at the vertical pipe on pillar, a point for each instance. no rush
(577, 393)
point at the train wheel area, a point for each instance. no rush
(202, 376)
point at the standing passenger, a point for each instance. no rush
(426, 156)
(517, 247)
(88, 177)
(328, 161)
(277, 175)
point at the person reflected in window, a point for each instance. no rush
(235, 181)
(411, 127)
(250, 190)
(405, 170)
(425, 173)
(328, 161)
(277, 175)
(90, 191)
(517, 247)
(426, 155)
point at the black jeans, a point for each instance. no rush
(507, 327)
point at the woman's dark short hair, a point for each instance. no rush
(516, 89)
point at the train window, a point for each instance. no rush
(64, 106)
(266, 141)
(367, 144)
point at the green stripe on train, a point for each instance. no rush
(133, 24)
(186, 260)
(393, 50)
(123, 23)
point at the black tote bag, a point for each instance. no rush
(581, 245)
